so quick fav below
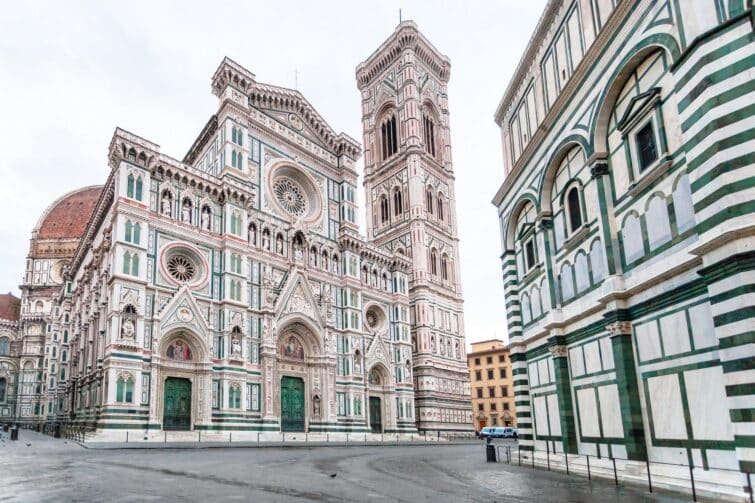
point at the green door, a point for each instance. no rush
(376, 415)
(292, 404)
(177, 404)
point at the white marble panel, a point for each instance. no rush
(606, 353)
(674, 334)
(592, 357)
(666, 403)
(554, 418)
(610, 411)
(576, 361)
(588, 412)
(648, 343)
(541, 416)
(703, 331)
(705, 387)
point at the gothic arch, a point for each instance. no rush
(549, 174)
(304, 330)
(607, 98)
(510, 234)
(198, 346)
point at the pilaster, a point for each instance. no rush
(628, 386)
(559, 352)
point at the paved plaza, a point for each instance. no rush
(456, 472)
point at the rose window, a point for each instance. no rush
(181, 268)
(290, 196)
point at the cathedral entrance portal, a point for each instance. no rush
(292, 404)
(376, 415)
(177, 404)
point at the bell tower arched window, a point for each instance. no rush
(429, 201)
(429, 132)
(384, 213)
(433, 262)
(444, 267)
(398, 203)
(440, 207)
(388, 136)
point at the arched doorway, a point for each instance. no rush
(378, 382)
(180, 382)
(177, 404)
(293, 371)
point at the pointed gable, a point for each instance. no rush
(297, 298)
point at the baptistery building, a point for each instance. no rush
(626, 215)
(231, 289)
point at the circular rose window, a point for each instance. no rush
(182, 264)
(181, 268)
(290, 196)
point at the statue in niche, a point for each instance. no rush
(408, 371)
(297, 252)
(265, 331)
(206, 218)
(432, 344)
(316, 406)
(357, 363)
(236, 346)
(279, 245)
(128, 330)
(186, 211)
(165, 204)
(266, 240)
(312, 256)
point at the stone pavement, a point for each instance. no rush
(53, 470)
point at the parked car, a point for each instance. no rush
(498, 432)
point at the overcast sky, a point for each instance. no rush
(70, 72)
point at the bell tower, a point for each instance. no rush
(411, 210)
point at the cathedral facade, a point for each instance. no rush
(232, 289)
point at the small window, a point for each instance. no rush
(489, 360)
(502, 373)
(478, 375)
(646, 149)
(479, 392)
(480, 407)
(529, 253)
(490, 374)
(501, 358)
(476, 361)
(504, 391)
(491, 391)
(505, 405)
(574, 208)
(492, 406)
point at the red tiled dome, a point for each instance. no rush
(10, 307)
(67, 217)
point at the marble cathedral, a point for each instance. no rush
(232, 289)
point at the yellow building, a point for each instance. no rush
(492, 386)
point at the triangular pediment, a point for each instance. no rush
(182, 310)
(290, 108)
(297, 299)
(378, 352)
(637, 106)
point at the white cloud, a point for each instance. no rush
(73, 71)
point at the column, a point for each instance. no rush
(559, 352)
(629, 391)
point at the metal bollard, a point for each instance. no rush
(566, 457)
(258, 439)
(650, 481)
(165, 437)
(519, 453)
(126, 436)
(588, 468)
(548, 457)
(615, 477)
(692, 480)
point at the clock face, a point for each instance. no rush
(56, 271)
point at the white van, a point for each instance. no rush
(498, 432)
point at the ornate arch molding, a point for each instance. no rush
(198, 346)
(304, 330)
(607, 98)
(549, 174)
(514, 215)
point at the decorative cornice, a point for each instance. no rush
(619, 328)
(406, 36)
